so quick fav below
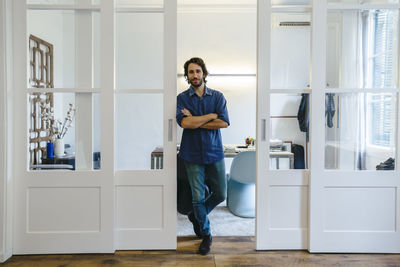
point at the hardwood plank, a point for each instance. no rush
(113, 260)
(225, 251)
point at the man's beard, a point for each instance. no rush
(197, 86)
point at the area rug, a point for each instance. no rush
(223, 223)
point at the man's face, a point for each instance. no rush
(195, 75)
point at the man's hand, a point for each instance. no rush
(215, 124)
(194, 122)
(186, 112)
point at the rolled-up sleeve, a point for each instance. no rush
(222, 110)
(179, 107)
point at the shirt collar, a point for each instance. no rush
(207, 91)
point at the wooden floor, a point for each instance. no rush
(226, 251)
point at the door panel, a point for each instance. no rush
(64, 211)
(353, 192)
(283, 75)
(145, 125)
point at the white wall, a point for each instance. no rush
(3, 126)
(6, 139)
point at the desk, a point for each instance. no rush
(157, 156)
(282, 154)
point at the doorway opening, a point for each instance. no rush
(225, 37)
(227, 41)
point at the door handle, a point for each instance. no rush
(263, 129)
(169, 130)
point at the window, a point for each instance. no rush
(382, 32)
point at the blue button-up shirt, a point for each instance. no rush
(201, 146)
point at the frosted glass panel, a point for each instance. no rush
(139, 131)
(288, 143)
(290, 51)
(139, 50)
(360, 131)
(362, 49)
(75, 37)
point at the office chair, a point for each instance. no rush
(242, 185)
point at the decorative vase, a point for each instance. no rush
(59, 148)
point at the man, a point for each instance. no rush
(202, 111)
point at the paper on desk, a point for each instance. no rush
(230, 147)
(275, 142)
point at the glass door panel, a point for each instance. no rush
(290, 50)
(54, 142)
(139, 131)
(74, 37)
(362, 50)
(360, 131)
(288, 131)
(139, 50)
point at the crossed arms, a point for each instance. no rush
(209, 121)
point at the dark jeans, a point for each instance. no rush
(201, 176)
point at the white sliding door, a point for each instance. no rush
(64, 203)
(283, 73)
(113, 74)
(145, 103)
(354, 198)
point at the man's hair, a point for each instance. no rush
(198, 61)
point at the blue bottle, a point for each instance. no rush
(50, 150)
